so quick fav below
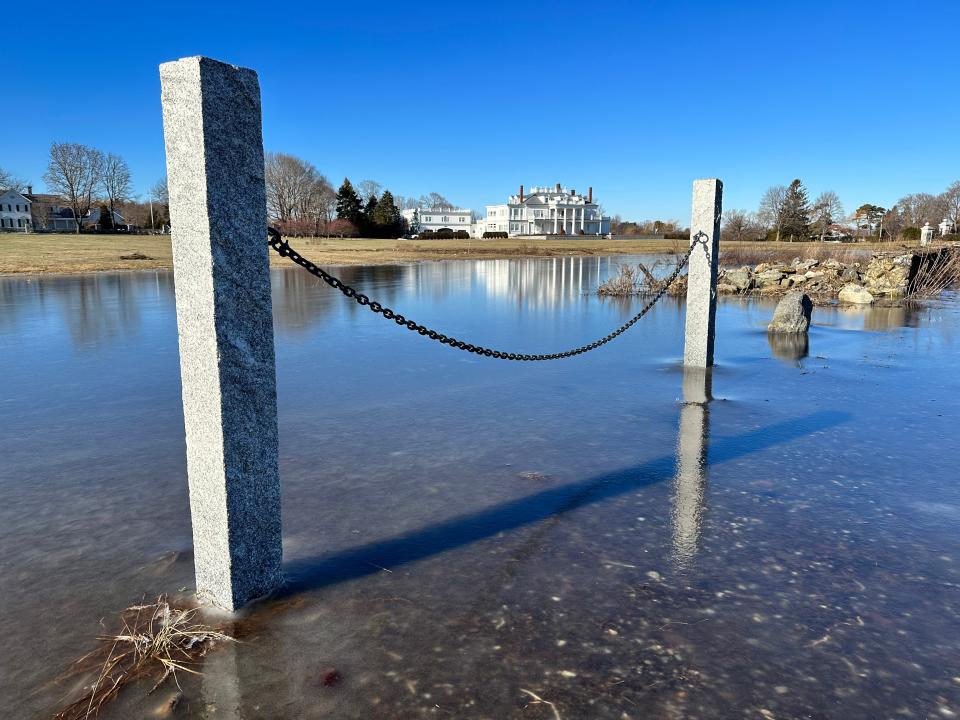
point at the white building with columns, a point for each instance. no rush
(546, 211)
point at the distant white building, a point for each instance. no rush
(546, 211)
(14, 212)
(438, 219)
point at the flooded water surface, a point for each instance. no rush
(598, 537)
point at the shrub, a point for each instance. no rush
(489, 235)
(676, 236)
(462, 235)
(910, 233)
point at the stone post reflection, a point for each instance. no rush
(689, 484)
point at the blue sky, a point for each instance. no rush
(471, 99)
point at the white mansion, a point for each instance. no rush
(438, 218)
(546, 211)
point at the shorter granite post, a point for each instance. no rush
(702, 273)
(212, 133)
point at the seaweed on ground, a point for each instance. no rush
(156, 640)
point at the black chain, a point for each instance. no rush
(278, 243)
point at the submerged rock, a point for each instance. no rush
(857, 294)
(792, 314)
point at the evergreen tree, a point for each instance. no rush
(386, 218)
(348, 204)
(368, 228)
(795, 213)
(106, 218)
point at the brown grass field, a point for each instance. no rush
(68, 253)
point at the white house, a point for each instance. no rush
(546, 211)
(438, 218)
(14, 212)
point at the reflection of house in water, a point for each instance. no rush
(690, 482)
(542, 281)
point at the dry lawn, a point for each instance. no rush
(68, 253)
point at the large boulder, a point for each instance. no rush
(792, 314)
(769, 277)
(853, 293)
(888, 274)
(740, 279)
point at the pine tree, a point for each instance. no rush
(795, 214)
(348, 204)
(386, 218)
(106, 218)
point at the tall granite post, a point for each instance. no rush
(702, 273)
(211, 125)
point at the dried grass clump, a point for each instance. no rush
(157, 639)
(632, 280)
(938, 271)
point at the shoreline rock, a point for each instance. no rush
(792, 315)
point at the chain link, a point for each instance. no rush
(282, 247)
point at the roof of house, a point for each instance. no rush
(9, 191)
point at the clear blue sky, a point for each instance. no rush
(471, 99)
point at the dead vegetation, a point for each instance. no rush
(635, 279)
(938, 271)
(155, 640)
(769, 253)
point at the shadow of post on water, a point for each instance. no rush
(324, 570)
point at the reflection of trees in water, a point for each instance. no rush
(95, 308)
(17, 297)
(100, 307)
(301, 301)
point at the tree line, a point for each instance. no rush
(302, 201)
(785, 212)
(86, 178)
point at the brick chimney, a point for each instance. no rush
(29, 189)
(590, 194)
(558, 187)
(521, 194)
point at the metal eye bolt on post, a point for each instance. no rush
(214, 147)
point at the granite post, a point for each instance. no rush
(702, 273)
(212, 133)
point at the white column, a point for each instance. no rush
(211, 126)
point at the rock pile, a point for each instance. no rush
(886, 275)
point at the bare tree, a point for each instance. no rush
(918, 208)
(159, 197)
(297, 194)
(115, 180)
(74, 171)
(159, 192)
(738, 225)
(9, 182)
(772, 203)
(368, 189)
(436, 201)
(950, 199)
(825, 211)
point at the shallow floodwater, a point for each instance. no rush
(462, 532)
